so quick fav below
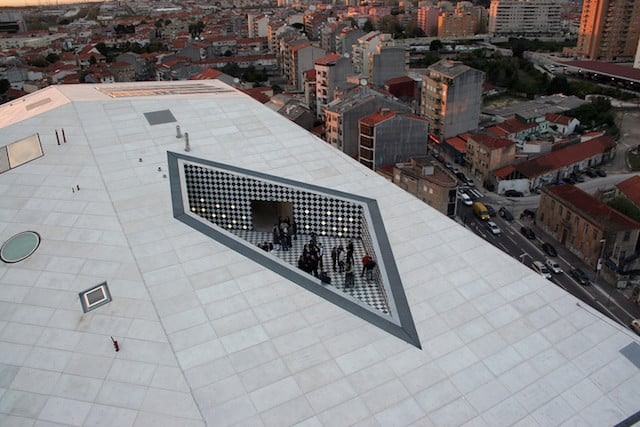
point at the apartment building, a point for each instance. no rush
(342, 116)
(428, 20)
(486, 154)
(257, 24)
(609, 30)
(451, 98)
(429, 181)
(524, 17)
(387, 137)
(386, 62)
(457, 25)
(330, 71)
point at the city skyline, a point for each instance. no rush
(27, 3)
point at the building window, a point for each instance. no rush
(627, 236)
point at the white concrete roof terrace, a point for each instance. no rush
(209, 337)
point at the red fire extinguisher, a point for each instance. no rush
(115, 344)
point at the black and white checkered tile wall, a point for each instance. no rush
(224, 199)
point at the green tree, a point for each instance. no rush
(368, 26)
(103, 49)
(4, 85)
(625, 207)
(559, 84)
(389, 24)
(435, 45)
(38, 61)
(594, 114)
(232, 69)
(52, 57)
(93, 60)
(429, 59)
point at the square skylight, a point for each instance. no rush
(95, 297)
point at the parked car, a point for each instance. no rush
(579, 276)
(601, 172)
(549, 249)
(529, 213)
(465, 179)
(553, 266)
(528, 233)
(568, 180)
(493, 227)
(466, 199)
(448, 165)
(540, 268)
(514, 193)
(635, 325)
(591, 173)
(504, 213)
(462, 177)
(490, 209)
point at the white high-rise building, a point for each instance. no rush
(524, 17)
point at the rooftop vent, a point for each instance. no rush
(95, 297)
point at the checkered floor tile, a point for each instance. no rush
(368, 291)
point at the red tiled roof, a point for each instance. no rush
(208, 74)
(565, 156)
(328, 59)
(491, 142)
(504, 172)
(631, 188)
(458, 143)
(597, 211)
(300, 46)
(310, 75)
(258, 95)
(497, 131)
(558, 118)
(416, 117)
(401, 79)
(514, 125)
(375, 118)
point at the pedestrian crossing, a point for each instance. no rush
(473, 193)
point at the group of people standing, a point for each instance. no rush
(283, 232)
(311, 258)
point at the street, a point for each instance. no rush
(598, 294)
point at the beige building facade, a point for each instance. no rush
(609, 30)
(587, 227)
(429, 181)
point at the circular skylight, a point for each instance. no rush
(20, 246)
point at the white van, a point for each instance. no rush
(541, 269)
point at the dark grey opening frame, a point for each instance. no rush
(85, 307)
(402, 327)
